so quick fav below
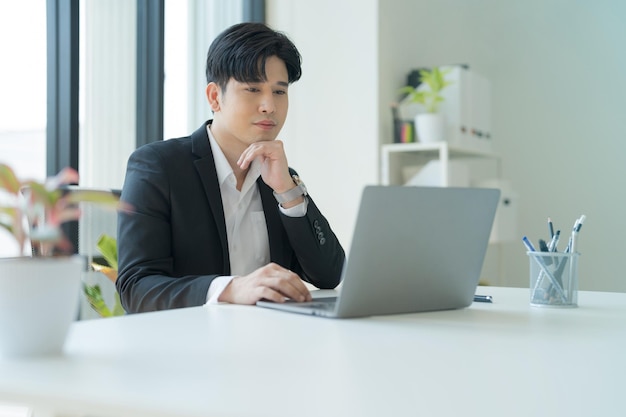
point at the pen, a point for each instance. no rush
(571, 246)
(575, 230)
(573, 249)
(529, 245)
(483, 298)
(543, 247)
(554, 241)
(551, 227)
(577, 226)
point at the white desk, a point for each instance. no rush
(505, 358)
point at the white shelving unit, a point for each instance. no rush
(396, 156)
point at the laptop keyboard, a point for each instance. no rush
(327, 304)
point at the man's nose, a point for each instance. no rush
(267, 104)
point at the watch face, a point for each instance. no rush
(299, 183)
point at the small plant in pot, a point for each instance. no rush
(429, 125)
(39, 288)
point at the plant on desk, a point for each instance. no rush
(39, 287)
(429, 125)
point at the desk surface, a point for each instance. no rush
(505, 358)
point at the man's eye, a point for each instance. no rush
(280, 92)
(252, 89)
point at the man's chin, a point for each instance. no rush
(263, 138)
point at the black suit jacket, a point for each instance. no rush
(174, 242)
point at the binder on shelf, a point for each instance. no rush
(404, 131)
(467, 109)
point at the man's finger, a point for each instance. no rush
(289, 284)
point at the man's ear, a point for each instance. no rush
(214, 96)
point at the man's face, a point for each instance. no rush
(251, 112)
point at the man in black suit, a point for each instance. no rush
(219, 216)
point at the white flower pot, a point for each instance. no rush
(39, 299)
(429, 127)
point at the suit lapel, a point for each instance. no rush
(205, 166)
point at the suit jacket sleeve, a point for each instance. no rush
(316, 254)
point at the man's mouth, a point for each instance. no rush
(265, 124)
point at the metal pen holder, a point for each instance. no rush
(553, 279)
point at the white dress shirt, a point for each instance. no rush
(246, 230)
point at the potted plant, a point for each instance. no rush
(40, 286)
(429, 124)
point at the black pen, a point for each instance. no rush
(483, 298)
(550, 227)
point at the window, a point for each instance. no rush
(23, 98)
(23, 86)
(190, 27)
(107, 90)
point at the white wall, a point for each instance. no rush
(561, 95)
(331, 134)
(559, 91)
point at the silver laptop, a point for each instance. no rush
(414, 249)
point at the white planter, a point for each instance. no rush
(39, 300)
(429, 127)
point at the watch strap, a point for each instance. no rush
(292, 194)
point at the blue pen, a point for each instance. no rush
(529, 245)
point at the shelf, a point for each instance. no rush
(438, 147)
(395, 155)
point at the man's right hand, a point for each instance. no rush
(271, 282)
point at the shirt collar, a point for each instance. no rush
(223, 168)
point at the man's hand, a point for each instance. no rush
(274, 170)
(271, 282)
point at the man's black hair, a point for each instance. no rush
(241, 50)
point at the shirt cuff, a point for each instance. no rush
(295, 211)
(216, 288)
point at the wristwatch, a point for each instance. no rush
(295, 192)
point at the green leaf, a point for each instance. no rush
(7, 227)
(118, 310)
(100, 197)
(94, 296)
(107, 246)
(429, 97)
(407, 90)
